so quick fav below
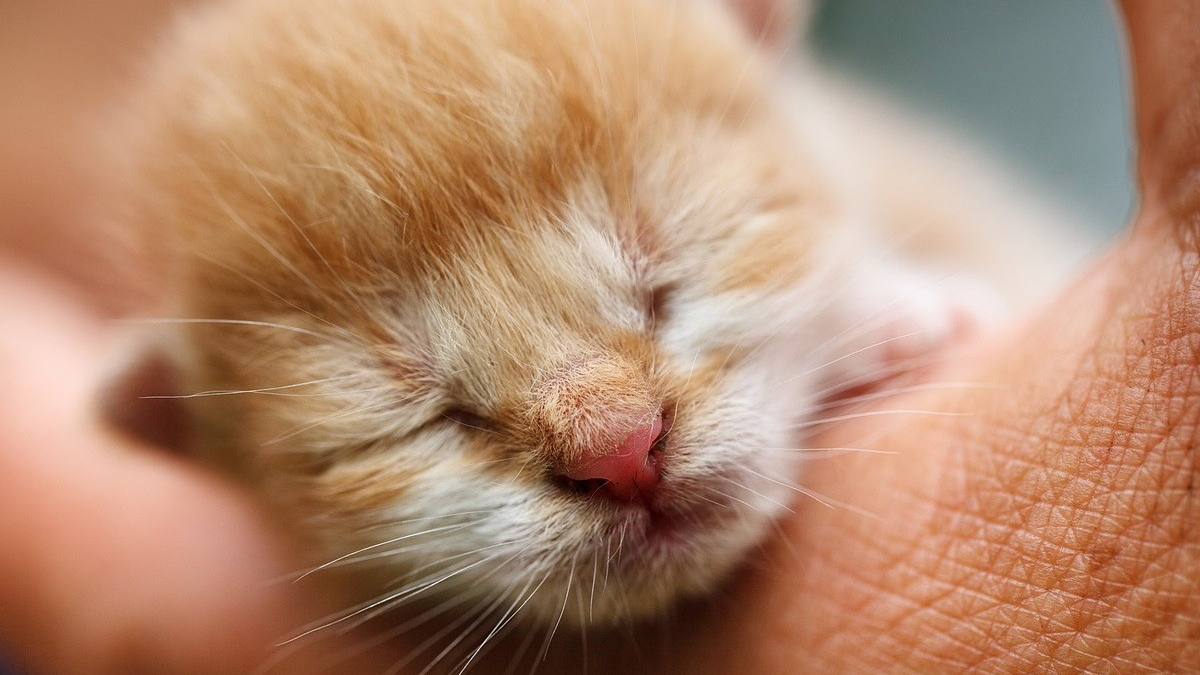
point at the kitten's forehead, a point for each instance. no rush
(520, 159)
(446, 121)
(537, 114)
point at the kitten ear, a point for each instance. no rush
(774, 24)
(140, 399)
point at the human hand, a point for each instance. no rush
(1049, 528)
(114, 558)
(117, 558)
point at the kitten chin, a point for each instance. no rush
(527, 305)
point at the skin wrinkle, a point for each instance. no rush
(1074, 489)
(1098, 521)
(1136, 421)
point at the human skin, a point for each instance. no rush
(1051, 524)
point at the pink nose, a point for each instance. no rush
(627, 472)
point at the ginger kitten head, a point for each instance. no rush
(517, 294)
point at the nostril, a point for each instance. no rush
(625, 472)
(584, 487)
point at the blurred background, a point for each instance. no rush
(1040, 85)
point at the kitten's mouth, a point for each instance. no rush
(671, 522)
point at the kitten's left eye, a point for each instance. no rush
(466, 418)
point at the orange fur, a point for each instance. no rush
(443, 247)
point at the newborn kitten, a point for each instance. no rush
(524, 303)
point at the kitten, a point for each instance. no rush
(524, 303)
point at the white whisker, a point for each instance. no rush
(563, 610)
(400, 665)
(824, 500)
(444, 528)
(756, 493)
(735, 499)
(280, 390)
(505, 619)
(860, 350)
(326, 420)
(826, 453)
(530, 636)
(235, 322)
(889, 391)
(483, 615)
(876, 413)
(385, 601)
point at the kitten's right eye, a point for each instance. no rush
(657, 301)
(466, 418)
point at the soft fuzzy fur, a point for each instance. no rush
(439, 248)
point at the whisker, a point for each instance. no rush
(554, 629)
(889, 392)
(860, 350)
(439, 609)
(875, 318)
(530, 636)
(607, 560)
(604, 92)
(583, 654)
(756, 493)
(483, 615)
(825, 453)
(257, 236)
(326, 420)
(298, 229)
(876, 413)
(734, 499)
(824, 500)
(356, 177)
(467, 425)
(777, 61)
(434, 530)
(235, 322)
(521, 469)
(259, 284)
(592, 592)
(892, 388)
(505, 620)
(713, 502)
(385, 637)
(432, 640)
(273, 391)
(385, 601)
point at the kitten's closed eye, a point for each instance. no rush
(658, 303)
(471, 420)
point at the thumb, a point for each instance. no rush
(116, 559)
